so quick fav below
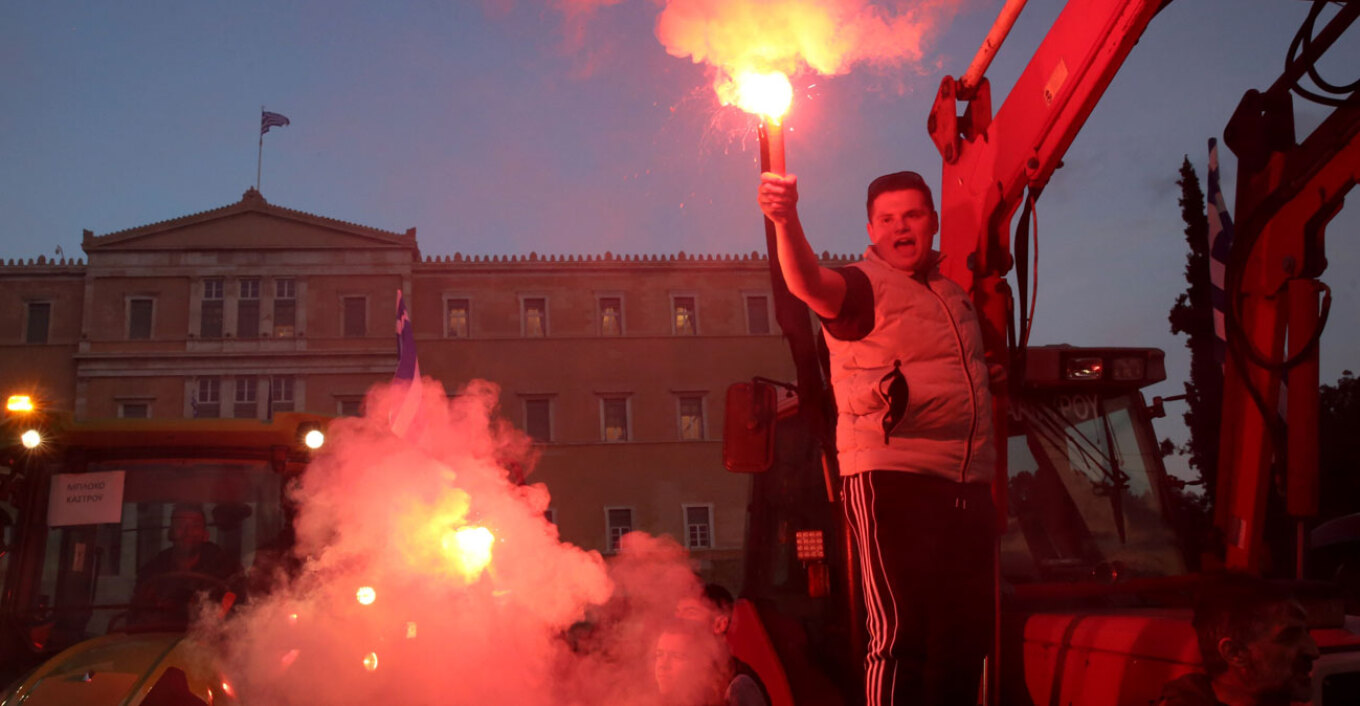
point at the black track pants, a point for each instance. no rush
(925, 550)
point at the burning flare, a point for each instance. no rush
(470, 550)
(765, 94)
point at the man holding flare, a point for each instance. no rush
(914, 438)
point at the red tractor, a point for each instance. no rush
(1096, 570)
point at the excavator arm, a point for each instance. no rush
(1287, 192)
(990, 161)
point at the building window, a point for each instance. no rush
(686, 319)
(692, 417)
(350, 406)
(246, 404)
(248, 309)
(611, 316)
(550, 515)
(139, 318)
(698, 526)
(134, 410)
(456, 315)
(285, 308)
(356, 316)
(280, 394)
(210, 323)
(618, 522)
(39, 319)
(207, 400)
(534, 316)
(757, 314)
(614, 418)
(538, 418)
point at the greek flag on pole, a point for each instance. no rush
(268, 120)
(408, 372)
(1220, 245)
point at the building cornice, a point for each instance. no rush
(162, 363)
(608, 260)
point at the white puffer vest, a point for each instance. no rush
(930, 330)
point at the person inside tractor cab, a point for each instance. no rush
(168, 584)
(914, 438)
(693, 667)
(1253, 636)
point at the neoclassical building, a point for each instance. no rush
(618, 365)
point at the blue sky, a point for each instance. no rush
(492, 128)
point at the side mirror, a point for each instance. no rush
(748, 427)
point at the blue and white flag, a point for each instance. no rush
(408, 372)
(1220, 245)
(268, 120)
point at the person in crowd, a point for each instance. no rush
(1254, 640)
(693, 667)
(714, 608)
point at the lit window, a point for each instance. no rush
(39, 319)
(246, 405)
(698, 526)
(356, 316)
(281, 394)
(285, 308)
(538, 418)
(248, 309)
(619, 522)
(139, 319)
(692, 418)
(535, 316)
(757, 314)
(614, 411)
(207, 400)
(611, 316)
(686, 315)
(210, 321)
(458, 317)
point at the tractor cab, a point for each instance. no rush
(1088, 498)
(119, 528)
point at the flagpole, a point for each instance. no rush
(259, 158)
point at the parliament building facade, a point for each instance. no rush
(617, 366)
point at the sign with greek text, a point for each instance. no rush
(85, 499)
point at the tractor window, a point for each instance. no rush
(1084, 492)
(188, 527)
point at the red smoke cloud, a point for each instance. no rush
(738, 38)
(827, 37)
(388, 604)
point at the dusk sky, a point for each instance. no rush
(510, 127)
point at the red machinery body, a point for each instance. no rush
(1100, 635)
(1287, 192)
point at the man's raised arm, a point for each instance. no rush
(822, 289)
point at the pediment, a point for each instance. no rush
(251, 224)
